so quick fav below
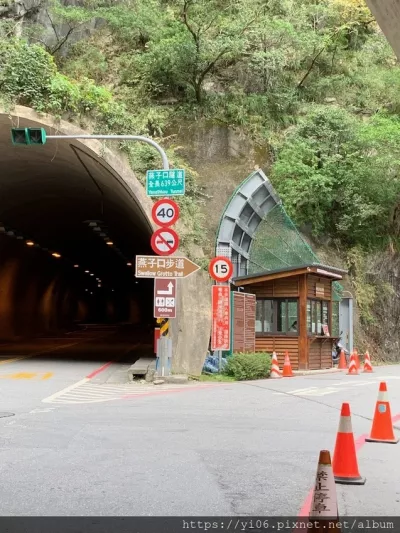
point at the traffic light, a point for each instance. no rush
(24, 136)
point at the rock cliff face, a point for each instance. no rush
(36, 15)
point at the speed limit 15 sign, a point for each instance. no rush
(220, 269)
(165, 212)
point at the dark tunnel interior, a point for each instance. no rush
(70, 229)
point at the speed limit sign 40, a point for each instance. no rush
(221, 269)
(165, 212)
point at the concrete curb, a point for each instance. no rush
(145, 367)
(316, 372)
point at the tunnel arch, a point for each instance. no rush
(82, 202)
(50, 195)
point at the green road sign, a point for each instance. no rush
(24, 136)
(165, 182)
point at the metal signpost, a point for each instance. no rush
(221, 269)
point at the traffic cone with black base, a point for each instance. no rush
(275, 372)
(287, 367)
(352, 366)
(324, 513)
(382, 427)
(367, 364)
(344, 464)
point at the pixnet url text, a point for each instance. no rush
(261, 524)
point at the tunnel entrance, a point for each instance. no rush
(70, 228)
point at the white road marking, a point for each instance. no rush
(323, 391)
(50, 399)
(87, 392)
(45, 410)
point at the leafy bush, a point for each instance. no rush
(244, 366)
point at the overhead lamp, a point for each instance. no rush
(103, 234)
(129, 264)
(91, 293)
(55, 254)
(20, 238)
(10, 233)
(2, 229)
(76, 266)
(92, 274)
(86, 290)
(99, 285)
(30, 243)
(96, 229)
(109, 243)
(86, 271)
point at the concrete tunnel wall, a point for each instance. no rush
(37, 297)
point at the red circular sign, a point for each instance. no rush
(164, 241)
(220, 268)
(165, 212)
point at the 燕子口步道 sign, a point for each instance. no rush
(152, 266)
(221, 317)
(165, 182)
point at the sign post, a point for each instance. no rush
(221, 320)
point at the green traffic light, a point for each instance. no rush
(27, 136)
(19, 136)
(36, 136)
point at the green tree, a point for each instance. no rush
(341, 176)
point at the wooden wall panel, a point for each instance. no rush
(320, 354)
(311, 287)
(280, 345)
(279, 288)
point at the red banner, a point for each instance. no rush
(221, 318)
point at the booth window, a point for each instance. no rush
(317, 316)
(277, 316)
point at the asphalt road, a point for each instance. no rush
(79, 446)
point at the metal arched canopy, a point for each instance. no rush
(246, 209)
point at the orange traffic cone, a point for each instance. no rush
(345, 466)
(382, 428)
(342, 361)
(287, 367)
(324, 507)
(352, 366)
(367, 363)
(357, 359)
(275, 372)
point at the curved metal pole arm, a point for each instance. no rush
(120, 138)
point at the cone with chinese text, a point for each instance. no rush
(367, 364)
(352, 366)
(287, 367)
(275, 372)
(342, 361)
(324, 507)
(382, 428)
(344, 464)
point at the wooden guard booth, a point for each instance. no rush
(294, 313)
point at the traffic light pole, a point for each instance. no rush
(119, 138)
